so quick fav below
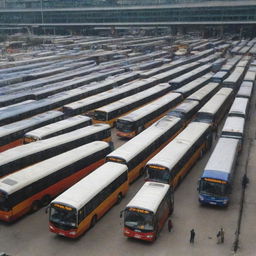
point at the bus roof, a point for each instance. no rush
(216, 101)
(239, 106)
(175, 150)
(104, 95)
(37, 146)
(137, 144)
(84, 190)
(220, 165)
(15, 181)
(23, 124)
(58, 126)
(185, 106)
(245, 90)
(133, 98)
(150, 107)
(234, 124)
(193, 84)
(235, 76)
(250, 76)
(203, 92)
(149, 196)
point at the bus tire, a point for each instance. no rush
(119, 198)
(46, 200)
(35, 206)
(93, 221)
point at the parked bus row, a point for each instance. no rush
(22, 156)
(215, 185)
(11, 135)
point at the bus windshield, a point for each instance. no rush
(204, 117)
(101, 116)
(63, 218)
(213, 188)
(139, 220)
(157, 175)
(125, 126)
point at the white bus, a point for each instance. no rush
(216, 181)
(174, 161)
(79, 208)
(240, 107)
(34, 186)
(58, 128)
(146, 213)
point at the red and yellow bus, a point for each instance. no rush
(136, 121)
(136, 152)
(111, 112)
(79, 208)
(32, 187)
(11, 135)
(25, 155)
(174, 161)
(146, 213)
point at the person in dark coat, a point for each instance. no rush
(170, 225)
(192, 236)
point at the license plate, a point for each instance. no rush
(61, 234)
(137, 236)
(213, 203)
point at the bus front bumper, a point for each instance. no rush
(67, 233)
(150, 236)
(211, 200)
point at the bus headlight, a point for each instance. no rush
(201, 198)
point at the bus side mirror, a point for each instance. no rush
(121, 214)
(46, 209)
(198, 184)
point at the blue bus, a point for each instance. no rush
(216, 181)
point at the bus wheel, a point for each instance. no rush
(93, 221)
(35, 206)
(46, 200)
(119, 198)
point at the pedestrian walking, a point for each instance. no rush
(245, 181)
(192, 236)
(222, 235)
(170, 225)
(218, 237)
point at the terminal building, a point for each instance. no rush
(181, 14)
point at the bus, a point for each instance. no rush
(109, 113)
(104, 98)
(186, 110)
(189, 76)
(250, 76)
(58, 128)
(214, 110)
(219, 76)
(234, 80)
(174, 161)
(78, 208)
(240, 108)
(205, 93)
(216, 181)
(136, 152)
(22, 156)
(234, 128)
(136, 121)
(146, 213)
(245, 90)
(11, 135)
(30, 188)
(194, 85)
